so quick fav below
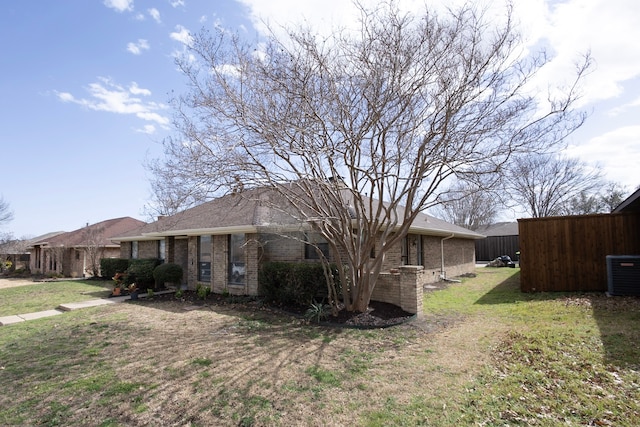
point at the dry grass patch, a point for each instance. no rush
(155, 363)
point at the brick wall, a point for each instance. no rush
(147, 249)
(404, 289)
(125, 250)
(181, 256)
(220, 256)
(192, 267)
(282, 249)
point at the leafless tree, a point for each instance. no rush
(6, 215)
(546, 184)
(364, 126)
(612, 195)
(469, 205)
(93, 248)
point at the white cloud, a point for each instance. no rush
(617, 151)
(155, 14)
(177, 3)
(137, 90)
(120, 5)
(137, 48)
(108, 96)
(182, 35)
(609, 31)
(624, 107)
(148, 129)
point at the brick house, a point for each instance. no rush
(71, 254)
(223, 243)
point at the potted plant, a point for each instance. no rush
(133, 291)
(118, 280)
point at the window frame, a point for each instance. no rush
(204, 267)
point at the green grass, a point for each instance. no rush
(48, 295)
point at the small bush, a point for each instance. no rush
(110, 266)
(318, 311)
(203, 291)
(167, 273)
(140, 272)
(294, 283)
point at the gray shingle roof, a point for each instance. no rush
(255, 209)
(104, 231)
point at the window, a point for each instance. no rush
(404, 254)
(134, 250)
(161, 249)
(204, 258)
(315, 241)
(237, 269)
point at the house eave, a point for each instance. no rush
(236, 229)
(444, 233)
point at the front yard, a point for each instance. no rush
(43, 296)
(485, 354)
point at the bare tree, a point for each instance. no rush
(176, 186)
(363, 127)
(612, 195)
(93, 248)
(6, 215)
(546, 184)
(469, 205)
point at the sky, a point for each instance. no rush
(86, 85)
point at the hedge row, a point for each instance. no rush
(294, 283)
(145, 273)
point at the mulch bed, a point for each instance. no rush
(379, 315)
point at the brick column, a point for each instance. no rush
(411, 289)
(170, 248)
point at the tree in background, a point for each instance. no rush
(604, 199)
(612, 195)
(358, 131)
(6, 215)
(546, 184)
(469, 205)
(93, 248)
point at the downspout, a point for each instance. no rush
(443, 275)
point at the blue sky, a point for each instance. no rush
(86, 83)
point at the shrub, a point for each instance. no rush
(140, 272)
(167, 273)
(203, 291)
(110, 266)
(318, 311)
(293, 283)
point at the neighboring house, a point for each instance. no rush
(502, 239)
(223, 243)
(16, 251)
(77, 253)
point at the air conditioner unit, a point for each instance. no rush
(623, 274)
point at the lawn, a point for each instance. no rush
(48, 295)
(484, 354)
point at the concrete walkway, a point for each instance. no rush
(17, 318)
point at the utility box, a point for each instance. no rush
(623, 275)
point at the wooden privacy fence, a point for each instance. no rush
(569, 253)
(492, 247)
